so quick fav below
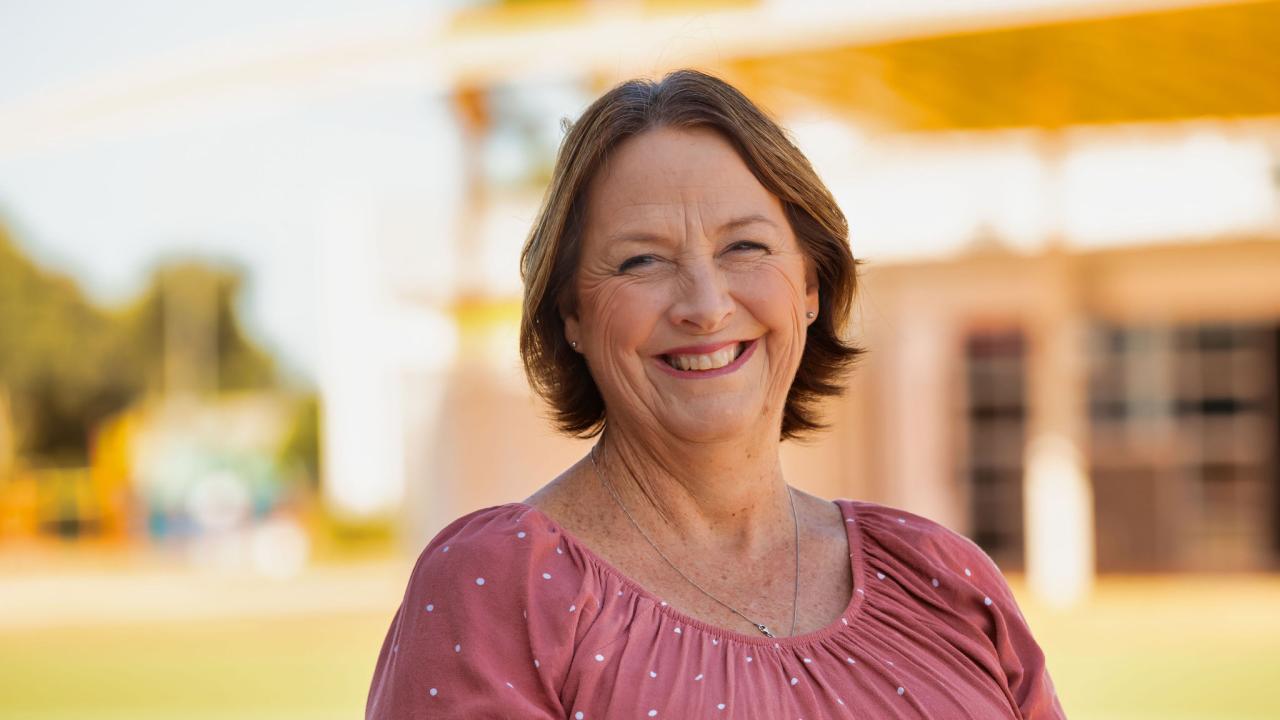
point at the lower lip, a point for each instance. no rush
(737, 363)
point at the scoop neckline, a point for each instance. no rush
(846, 621)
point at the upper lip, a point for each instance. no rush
(702, 349)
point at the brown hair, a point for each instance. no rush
(548, 263)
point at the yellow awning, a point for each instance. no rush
(1219, 61)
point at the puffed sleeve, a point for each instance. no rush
(472, 638)
(988, 603)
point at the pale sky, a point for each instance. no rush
(241, 185)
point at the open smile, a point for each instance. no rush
(707, 361)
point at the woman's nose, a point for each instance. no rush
(702, 302)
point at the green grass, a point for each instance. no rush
(1174, 649)
(312, 668)
(1199, 648)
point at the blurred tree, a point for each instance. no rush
(57, 357)
(300, 451)
(69, 364)
(187, 336)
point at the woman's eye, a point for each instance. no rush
(748, 245)
(636, 262)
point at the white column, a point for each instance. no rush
(1058, 497)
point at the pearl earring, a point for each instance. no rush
(811, 314)
(574, 344)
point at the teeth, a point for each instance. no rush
(717, 359)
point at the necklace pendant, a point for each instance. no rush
(764, 629)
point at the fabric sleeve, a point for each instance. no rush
(460, 645)
(990, 605)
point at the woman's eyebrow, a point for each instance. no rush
(635, 237)
(745, 220)
(639, 237)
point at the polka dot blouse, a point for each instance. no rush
(507, 615)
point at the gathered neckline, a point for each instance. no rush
(846, 621)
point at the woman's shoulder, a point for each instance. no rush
(895, 528)
(490, 543)
(484, 527)
(483, 614)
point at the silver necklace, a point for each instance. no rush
(764, 629)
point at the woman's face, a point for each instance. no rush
(691, 290)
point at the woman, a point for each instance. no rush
(686, 285)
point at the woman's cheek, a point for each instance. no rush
(626, 313)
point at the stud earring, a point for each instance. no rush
(811, 314)
(574, 344)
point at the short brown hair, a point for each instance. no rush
(548, 263)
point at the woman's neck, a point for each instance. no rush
(725, 497)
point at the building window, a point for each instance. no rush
(1183, 434)
(995, 379)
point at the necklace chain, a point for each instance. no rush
(764, 629)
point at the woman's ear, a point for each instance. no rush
(571, 330)
(572, 327)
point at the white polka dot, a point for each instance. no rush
(901, 689)
(748, 658)
(859, 590)
(572, 608)
(513, 687)
(457, 648)
(719, 706)
(966, 572)
(794, 681)
(653, 674)
(851, 661)
(808, 660)
(559, 551)
(840, 701)
(714, 641)
(599, 657)
(663, 603)
(697, 677)
(431, 607)
(578, 715)
(986, 601)
(536, 663)
(653, 713)
(433, 692)
(848, 520)
(935, 582)
(890, 662)
(479, 581)
(546, 576)
(520, 534)
(446, 549)
(846, 622)
(678, 631)
(880, 575)
(902, 521)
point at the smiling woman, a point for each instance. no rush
(687, 286)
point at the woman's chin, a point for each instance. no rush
(713, 425)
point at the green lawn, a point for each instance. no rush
(1202, 648)
(295, 669)
(1195, 648)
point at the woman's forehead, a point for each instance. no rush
(668, 174)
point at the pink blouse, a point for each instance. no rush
(507, 615)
